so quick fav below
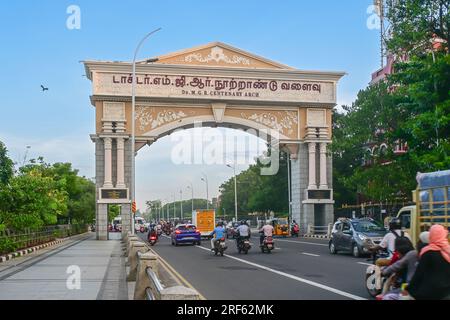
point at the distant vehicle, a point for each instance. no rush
(220, 245)
(140, 225)
(205, 221)
(117, 224)
(231, 230)
(186, 233)
(280, 226)
(432, 197)
(355, 236)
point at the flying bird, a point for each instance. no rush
(44, 88)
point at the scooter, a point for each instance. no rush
(268, 245)
(152, 239)
(244, 246)
(375, 281)
(220, 246)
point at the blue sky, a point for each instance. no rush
(37, 48)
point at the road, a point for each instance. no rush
(298, 269)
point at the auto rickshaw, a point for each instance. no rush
(280, 226)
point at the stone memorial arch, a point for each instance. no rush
(218, 85)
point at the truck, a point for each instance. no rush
(204, 220)
(432, 204)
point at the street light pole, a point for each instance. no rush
(181, 206)
(174, 208)
(235, 192)
(192, 190)
(289, 185)
(205, 179)
(133, 126)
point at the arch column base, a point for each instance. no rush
(305, 210)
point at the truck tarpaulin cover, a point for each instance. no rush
(434, 179)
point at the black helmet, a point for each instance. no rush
(395, 224)
(242, 222)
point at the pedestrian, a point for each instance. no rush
(431, 280)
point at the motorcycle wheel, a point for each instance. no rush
(370, 285)
(221, 253)
(246, 251)
(262, 249)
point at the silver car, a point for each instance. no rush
(355, 236)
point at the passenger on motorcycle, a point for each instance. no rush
(265, 231)
(405, 267)
(388, 242)
(243, 232)
(218, 233)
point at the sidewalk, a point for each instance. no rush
(44, 276)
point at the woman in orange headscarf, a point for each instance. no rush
(432, 277)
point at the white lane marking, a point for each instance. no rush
(310, 254)
(365, 264)
(287, 275)
(314, 244)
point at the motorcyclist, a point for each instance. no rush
(294, 227)
(152, 231)
(243, 232)
(266, 231)
(218, 233)
(388, 242)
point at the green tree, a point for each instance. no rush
(6, 165)
(31, 200)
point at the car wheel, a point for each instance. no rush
(332, 248)
(355, 251)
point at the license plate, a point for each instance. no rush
(269, 246)
(188, 238)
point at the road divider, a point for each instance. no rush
(290, 276)
(303, 242)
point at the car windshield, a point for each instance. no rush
(186, 228)
(282, 221)
(367, 226)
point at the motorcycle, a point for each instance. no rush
(220, 246)
(152, 239)
(295, 231)
(267, 245)
(376, 283)
(244, 245)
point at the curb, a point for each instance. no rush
(317, 236)
(24, 252)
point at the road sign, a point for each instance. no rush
(133, 207)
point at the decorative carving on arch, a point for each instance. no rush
(285, 122)
(150, 118)
(217, 54)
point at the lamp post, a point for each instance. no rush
(289, 185)
(181, 205)
(174, 208)
(205, 179)
(133, 129)
(235, 192)
(192, 190)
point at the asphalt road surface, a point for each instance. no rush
(298, 269)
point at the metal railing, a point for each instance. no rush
(319, 230)
(11, 240)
